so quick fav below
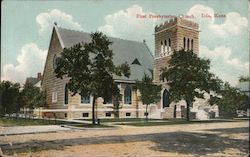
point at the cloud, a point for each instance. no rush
(30, 61)
(232, 24)
(47, 19)
(199, 11)
(223, 64)
(125, 24)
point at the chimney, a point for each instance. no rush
(39, 76)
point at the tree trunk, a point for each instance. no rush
(116, 108)
(187, 110)
(146, 112)
(25, 111)
(93, 110)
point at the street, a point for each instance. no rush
(211, 139)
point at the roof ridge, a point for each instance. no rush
(103, 33)
(148, 49)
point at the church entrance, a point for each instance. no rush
(166, 100)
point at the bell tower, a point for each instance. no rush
(175, 34)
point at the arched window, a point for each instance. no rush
(66, 94)
(166, 100)
(184, 43)
(169, 44)
(192, 44)
(161, 47)
(54, 62)
(85, 98)
(127, 95)
(166, 46)
(188, 44)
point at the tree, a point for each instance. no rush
(244, 78)
(150, 92)
(32, 97)
(90, 68)
(230, 99)
(116, 105)
(188, 77)
(10, 94)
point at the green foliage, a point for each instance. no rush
(244, 78)
(32, 97)
(90, 68)
(188, 77)
(150, 92)
(230, 99)
(9, 93)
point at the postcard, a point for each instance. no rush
(124, 78)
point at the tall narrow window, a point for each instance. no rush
(161, 47)
(54, 96)
(169, 44)
(85, 98)
(188, 44)
(192, 44)
(66, 95)
(127, 95)
(165, 46)
(184, 43)
(54, 62)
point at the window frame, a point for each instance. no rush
(66, 94)
(126, 101)
(54, 65)
(54, 96)
(128, 114)
(85, 103)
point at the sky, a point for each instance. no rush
(27, 26)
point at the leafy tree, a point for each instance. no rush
(116, 105)
(32, 97)
(188, 77)
(9, 97)
(150, 92)
(244, 78)
(230, 99)
(90, 68)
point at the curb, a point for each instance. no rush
(82, 128)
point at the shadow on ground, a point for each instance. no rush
(232, 130)
(197, 144)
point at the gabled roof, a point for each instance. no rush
(136, 62)
(124, 51)
(31, 80)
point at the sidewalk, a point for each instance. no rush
(16, 130)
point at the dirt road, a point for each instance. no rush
(210, 139)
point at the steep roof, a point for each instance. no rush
(31, 80)
(124, 50)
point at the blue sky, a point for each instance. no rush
(27, 26)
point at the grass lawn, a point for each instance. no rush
(107, 120)
(6, 122)
(10, 121)
(172, 122)
(91, 126)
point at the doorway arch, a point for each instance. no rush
(166, 100)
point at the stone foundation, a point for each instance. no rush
(88, 114)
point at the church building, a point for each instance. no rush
(172, 35)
